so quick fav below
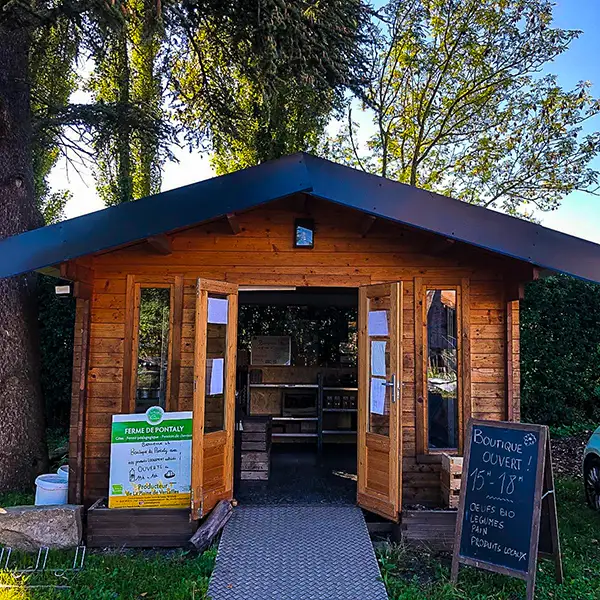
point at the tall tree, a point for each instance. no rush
(22, 452)
(460, 105)
(52, 71)
(130, 153)
(259, 80)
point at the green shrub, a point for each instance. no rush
(560, 352)
(56, 323)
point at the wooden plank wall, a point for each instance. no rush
(262, 253)
(74, 479)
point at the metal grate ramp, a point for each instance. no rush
(306, 552)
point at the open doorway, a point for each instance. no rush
(297, 374)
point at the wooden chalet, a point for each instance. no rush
(435, 284)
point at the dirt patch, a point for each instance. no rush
(567, 454)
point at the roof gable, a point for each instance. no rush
(217, 197)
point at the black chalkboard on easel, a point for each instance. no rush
(507, 506)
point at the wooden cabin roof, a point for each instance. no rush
(376, 196)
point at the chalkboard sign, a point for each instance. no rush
(507, 476)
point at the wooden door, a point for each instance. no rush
(214, 394)
(380, 399)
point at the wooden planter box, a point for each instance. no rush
(138, 528)
(431, 528)
(450, 478)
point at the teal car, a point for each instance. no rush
(591, 470)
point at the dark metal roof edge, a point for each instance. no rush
(212, 198)
(168, 211)
(475, 225)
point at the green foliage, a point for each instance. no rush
(16, 499)
(260, 80)
(567, 431)
(131, 151)
(56, 325)
(123, 574)
(316, 333)
(53, 79)
(426, 576)
(460, 108)
(560, 352)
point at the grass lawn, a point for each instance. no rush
(113, 575)
(411, 575)
(408, 574)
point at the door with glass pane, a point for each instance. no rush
(380, 399)
(214, 394)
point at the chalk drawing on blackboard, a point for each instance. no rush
(507, 510)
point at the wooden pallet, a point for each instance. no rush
(256, 449)
(450, 478)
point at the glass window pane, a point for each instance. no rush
(379, 365)
(153, 348)
(214, 407)
(442, 369)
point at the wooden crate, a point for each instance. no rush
(431, 528)
(450, 478)
(256, 449)
(138, 527)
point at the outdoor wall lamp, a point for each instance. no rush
(304, 233)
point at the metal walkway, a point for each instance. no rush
(296, 552)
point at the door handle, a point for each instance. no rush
(394, 387)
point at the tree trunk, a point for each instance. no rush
(23, 452)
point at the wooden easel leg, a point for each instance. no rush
(531, 587)
(454, 572)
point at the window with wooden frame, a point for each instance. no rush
(443, 366)
(152, 363)
(152, 343)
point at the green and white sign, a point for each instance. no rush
(150, 460)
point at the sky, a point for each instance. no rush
(579, 213)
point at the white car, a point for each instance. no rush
(591, 470)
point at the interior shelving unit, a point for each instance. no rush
(322, 411)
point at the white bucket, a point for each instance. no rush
(51, 489)
(63, 472)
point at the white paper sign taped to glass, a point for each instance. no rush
(378, 322)
(271, 350)
(378, 358)
(217, 310)
(150, 460)
(378, 389)
(214, 368)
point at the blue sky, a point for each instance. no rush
(579, 213)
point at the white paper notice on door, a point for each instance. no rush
(378, 396)
(216, 376)
(217, 311)
(378, 322)
(378, 358)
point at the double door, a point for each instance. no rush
(379, 397)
